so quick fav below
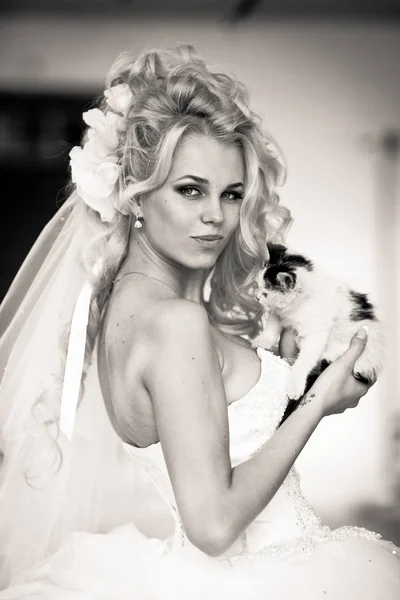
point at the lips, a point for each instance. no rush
(208, 238)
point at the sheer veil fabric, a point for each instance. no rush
(42, 500)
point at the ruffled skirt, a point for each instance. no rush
(126, 565)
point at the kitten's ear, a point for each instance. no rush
(286, 280)
(276, 248)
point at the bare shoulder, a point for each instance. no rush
(177, 317)
(142, 314)
(149, 339)
(143, 308)
(176, 331)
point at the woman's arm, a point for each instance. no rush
(216, 502)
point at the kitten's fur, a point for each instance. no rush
(323, 312)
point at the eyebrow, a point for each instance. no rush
(206, 182)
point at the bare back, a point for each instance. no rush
(121, 359)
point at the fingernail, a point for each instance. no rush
(363, 332)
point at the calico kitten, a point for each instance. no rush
(323, 312)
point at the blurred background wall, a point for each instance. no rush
(327, 86)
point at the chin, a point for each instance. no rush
(203, 263)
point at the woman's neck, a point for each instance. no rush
(188, 283)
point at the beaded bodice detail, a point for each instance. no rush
(289, 520)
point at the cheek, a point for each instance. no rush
(236, 212)
(232, 216)
(167, 216)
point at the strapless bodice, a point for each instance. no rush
(253, 419)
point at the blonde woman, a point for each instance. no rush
(127, 343)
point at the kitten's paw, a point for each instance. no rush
(368, 377)
(367, 367)
(295, 388)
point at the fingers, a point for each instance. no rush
(354, 405)
(357, 344)
(363, 385)
(359, 386)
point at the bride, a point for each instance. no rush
(126, 349)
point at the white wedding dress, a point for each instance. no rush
(285, 554)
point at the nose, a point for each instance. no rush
(212, 211)
(259, 295)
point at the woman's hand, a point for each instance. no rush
(336, 387)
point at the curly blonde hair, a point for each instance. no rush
(174, 94)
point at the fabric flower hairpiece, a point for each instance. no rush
(94, 168)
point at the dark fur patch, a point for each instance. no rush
(291, 406)
(276, 252)
(363, 308)
(279, 256)
(312, 377)
(363, 379)
(280, 261)
(315, 373)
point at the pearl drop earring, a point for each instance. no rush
(137, 223)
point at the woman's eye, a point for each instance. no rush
(228, 195)
(190, 191)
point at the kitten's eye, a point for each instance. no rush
(188, 190)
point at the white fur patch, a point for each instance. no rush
(318, 309)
